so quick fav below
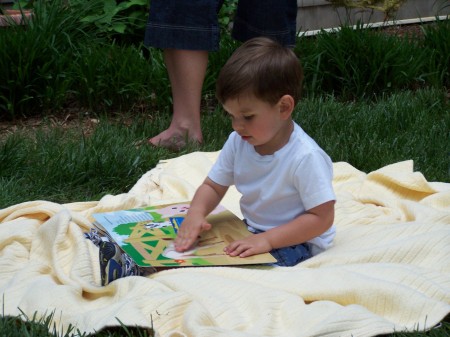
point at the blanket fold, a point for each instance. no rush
(388, 270)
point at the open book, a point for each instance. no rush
(146, 235)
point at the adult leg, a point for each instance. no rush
(186, 69)
(186, 31)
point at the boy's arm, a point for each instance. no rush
(206, 198)
(305, 227)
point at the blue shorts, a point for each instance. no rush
(193, 24)
(292, 255)
(288, 256)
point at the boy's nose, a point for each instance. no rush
(237, 126)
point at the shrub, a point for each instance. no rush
(34, 58)
(437, 42)
(61, 58)
(112, 77)
(360, 63)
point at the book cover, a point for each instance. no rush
(146, 234)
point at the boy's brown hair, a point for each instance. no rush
(263, 68)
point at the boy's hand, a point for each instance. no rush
(189, 231)
(251, 245)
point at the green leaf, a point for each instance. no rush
(119, 27)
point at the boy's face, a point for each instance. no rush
(267, 127)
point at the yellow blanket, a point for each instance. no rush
(389, 268)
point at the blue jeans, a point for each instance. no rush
(289, 256)
(193, 24)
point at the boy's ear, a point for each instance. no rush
(286, 104)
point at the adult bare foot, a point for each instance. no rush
(174, 140)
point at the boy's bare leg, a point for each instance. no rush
(186, 69)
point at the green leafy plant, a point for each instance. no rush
(119, 17)
(226, 14)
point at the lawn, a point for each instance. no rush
(84, 159)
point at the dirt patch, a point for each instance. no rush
(68, 119)
(31, 124)
(408, 31)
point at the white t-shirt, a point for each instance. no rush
(278, 188)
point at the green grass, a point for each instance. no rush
(369, 135)
(69, 165)
(22, 326)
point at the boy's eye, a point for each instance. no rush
(247, 118)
